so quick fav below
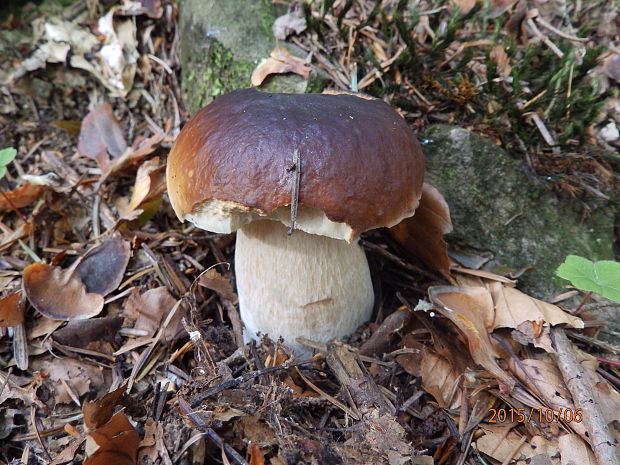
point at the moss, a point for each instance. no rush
(213, 74)
(496, 208)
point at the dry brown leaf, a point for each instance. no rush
(611, 66)
(465, 5)
(44, 326)
(607, 397)
(422, 234)
(96, 334)
(440, 378)
(212, 279)
(575, 451)
(148, 446)
(513, 307)
(101, 137)
(501, 60)
(116, 443)
(9, 237)
(77, 292)
(146, 311)
(80, 377)
(58, 293)
(529, 332)
(140, 149)
(291, 23)
(387, 334)
(256, 455)
(150, 183)
(471, 310)
(21, 196)
(463, 277)
(98, 412)
(101, 269)
(422, 460)
(12, 310)
(68, 453)
(499, 442)
(280, 62)
(25, 392)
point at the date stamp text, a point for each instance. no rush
(540, 415)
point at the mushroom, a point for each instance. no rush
(299, 177)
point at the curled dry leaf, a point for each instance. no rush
(150, 183)
(471, 310)
(80, 377)
(280, 62)
(611, 66)
(96, 334)
(290, 23)
(464, 5)
(422, 234)
(77, 292)
(212, 279)
(21, 196)
(501, 60)
(58, 293)
(440, 378)
(12, 310)
(146, 311)
(502, 444)
(513, 307)
(98, 412)
(116, 443)
(575, 450)
(101, 137)
(101, 269)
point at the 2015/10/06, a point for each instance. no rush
(535, 414)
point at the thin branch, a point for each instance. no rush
(296, 169)
(579, 385)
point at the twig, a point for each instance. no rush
(579, 385)
(210, 433)
(595, 342)
(577, 311)
(554, 48)
(14, 208)
(331, 399)
(198, 398)
(397, 260)
(296, 169)
(556, 31)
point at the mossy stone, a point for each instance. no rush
(221, 43)
(497, 208)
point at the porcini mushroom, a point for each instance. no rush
(334, 164)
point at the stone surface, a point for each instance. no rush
(221, 43)
(496, 208)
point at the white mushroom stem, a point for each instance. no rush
(302, 285)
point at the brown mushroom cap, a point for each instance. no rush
(361, 166)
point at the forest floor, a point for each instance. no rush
(120, 340)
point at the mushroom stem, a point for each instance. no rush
(303, 285)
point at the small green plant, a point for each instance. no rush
(7, 155)
(602, 277)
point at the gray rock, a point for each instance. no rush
(496, 208)
(221, 43)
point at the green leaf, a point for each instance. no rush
(601, 277)
(6, 156)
